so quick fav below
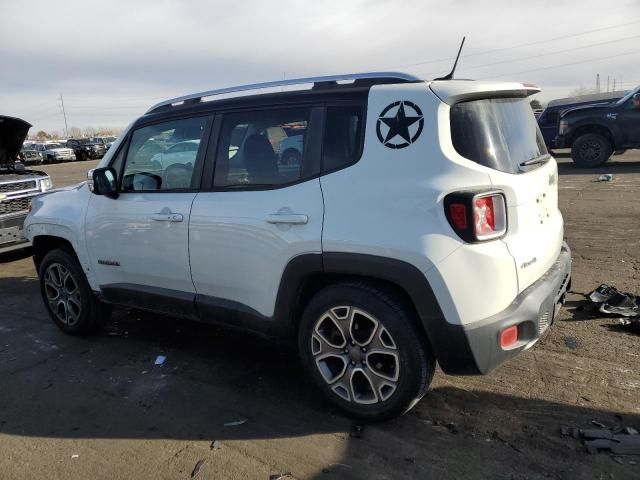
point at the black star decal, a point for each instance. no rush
(399, 125)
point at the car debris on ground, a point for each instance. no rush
(611, 301)
(236, 423)
(617, 440)
(606, 177)
(196, 468)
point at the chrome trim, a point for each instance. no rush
(405, 77)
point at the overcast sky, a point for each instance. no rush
(112, 59)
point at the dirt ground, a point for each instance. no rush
(79, 408)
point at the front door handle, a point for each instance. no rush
(288, 218)
(167, 217)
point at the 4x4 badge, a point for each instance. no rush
(400, 124)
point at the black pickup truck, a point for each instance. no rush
(87, 148)
(594, 132)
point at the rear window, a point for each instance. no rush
(499, 133)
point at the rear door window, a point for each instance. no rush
(499, 133)
(263, 148)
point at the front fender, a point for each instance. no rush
(61, 214)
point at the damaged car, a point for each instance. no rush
(18, 185)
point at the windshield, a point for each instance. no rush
(50, 146)
(499, 133)
(628, 95)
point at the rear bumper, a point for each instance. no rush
(476, 349)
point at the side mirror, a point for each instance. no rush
(636, 101)
(103, 181)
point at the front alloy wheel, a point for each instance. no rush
(63, 294)
(67, 295)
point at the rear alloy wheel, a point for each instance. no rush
(355, 355)
(67, 295)
(365, 351)
(591, 150)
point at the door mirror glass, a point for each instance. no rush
(635, 101)
(103, 181)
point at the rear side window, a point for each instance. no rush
(263, 148)
(343, 137)
(499, 133)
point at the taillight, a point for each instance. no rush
(476, 217)
(458, 215)
(489, 216)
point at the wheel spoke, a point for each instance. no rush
(333, 328)
(332, 367)
(362, 327)
(363, 389)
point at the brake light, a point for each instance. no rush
(489, 216)
(458, 215)
(476, 217)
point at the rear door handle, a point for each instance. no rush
(167, 217)
(288, 218)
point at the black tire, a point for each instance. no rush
(591, 150)
(91, 313)
(414, 361)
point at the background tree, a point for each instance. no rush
(581, 90)
(535, 104)
(42, 135)
(75, 132)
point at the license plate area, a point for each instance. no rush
(10, 235)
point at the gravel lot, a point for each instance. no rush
(97, 407)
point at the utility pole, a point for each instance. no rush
(597, 82)
(614, 84)
(607, 83)
(64, 114)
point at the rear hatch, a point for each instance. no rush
(497, 129)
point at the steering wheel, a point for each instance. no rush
(177, 175)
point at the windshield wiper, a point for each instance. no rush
(536, 161)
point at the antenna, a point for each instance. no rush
(449, 76)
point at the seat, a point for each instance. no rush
(260, 160)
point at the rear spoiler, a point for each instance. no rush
(455, 91)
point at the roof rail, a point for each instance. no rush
(197, 97)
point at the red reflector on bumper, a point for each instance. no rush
(509, 336)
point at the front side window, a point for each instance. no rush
(163, 156)
(263, 148)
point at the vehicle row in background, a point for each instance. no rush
(55, 151)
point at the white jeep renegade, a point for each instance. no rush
(417, 223)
